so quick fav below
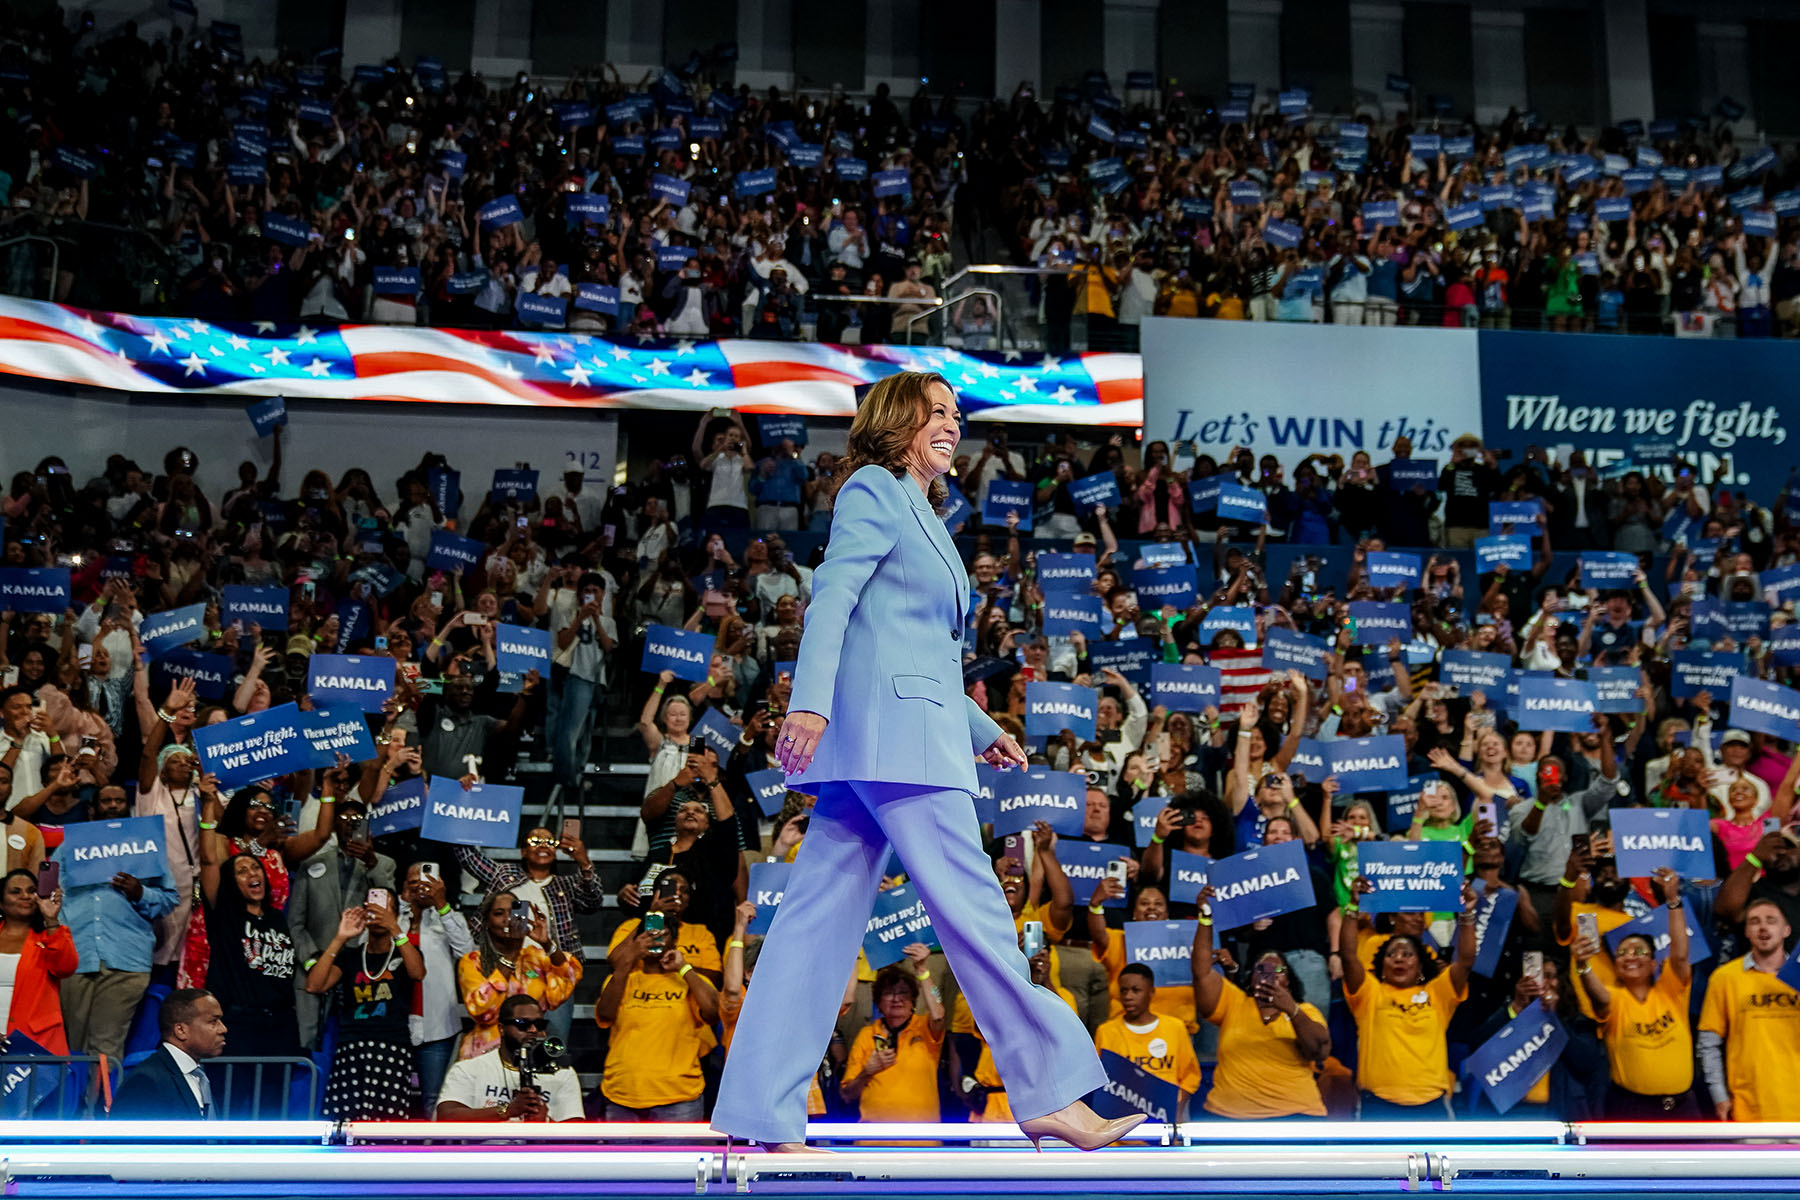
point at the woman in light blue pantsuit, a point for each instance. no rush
(879, 727)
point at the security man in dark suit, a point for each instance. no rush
(171, 1083)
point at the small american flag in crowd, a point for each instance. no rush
(557, 370)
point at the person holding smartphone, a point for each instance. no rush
(878, 725)
(1644, 1017)
(514, 954)
(374, 983)
(442, 936)
(36, 952)
(1271, 1041)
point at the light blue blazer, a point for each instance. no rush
(882, 653)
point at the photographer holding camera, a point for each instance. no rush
(518, 1080)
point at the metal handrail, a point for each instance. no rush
(999, 311)
(55, 256)
(1006, 269)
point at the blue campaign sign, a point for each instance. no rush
(1243, 504)
(717, 733)
(1265, 882)
(486, 814)
(1404, 473)
(1309, 760)
(1460, 217)
(1375, 623)
(768, 883)
(400, 808)
(453, 552)
(268, 414)
(1780, 584)
(1161, 554)
(1370, 764)
(1647, 838)
(633, 145)
(1404, 804)
(162, 632)
(94, 851)
(1547, 702)
(1064, 572)
(1393, 568)
(987, 788)
(264, 606)
(1175, 586)
(897, 182)
(1608, 569)
(1187, 875)
(396, 281)
(211, 673)
(1006, 496)
(754, 183)
(340, 729)
(1508, 516)
(360, 681)
(1764, 707)
(1133, 658)
(37, 590)
(522, 648)
(257, 746)
(897, 920)
(288, 231)
(1284, 234)
(1143, 819)
(1051, 708)
(597, 297)
(1411, 876)
(1023, 798)
(1784, 645)
(584, 208)
(1686, 390)
(1616, 688)
(500, 212)
(1512, 551)
(1166, 947)
(1130, 1090)
(1203, 494)
(1184, 687)
(1069, 612)
(1240, 618)
(1655, 926)
(1474, 670)
(1099, 490)
(769, 789)
(1695, 671)
(851, 170)
(774, 428)
(1508, 1065)
(1288, 650)
(1084, 862)
(515, 483)
(1493, 920)
(687, 653)
(536, 308)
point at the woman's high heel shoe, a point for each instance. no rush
(1079, 1126)
(791, 1148)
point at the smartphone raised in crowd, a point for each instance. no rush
(1534, 965)
(571, 828)
(49, 875)
(1116, 869)
(518, 921)
(428, 870)
(1033, 944)
(1587, 925)
(378, 898)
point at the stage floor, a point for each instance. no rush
(1271, 1159)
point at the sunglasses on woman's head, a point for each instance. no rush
(539, 1023)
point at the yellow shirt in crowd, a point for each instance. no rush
(1402, 1055)
(1261, 1072)
(906, 1091)
(1759, 1018)
(658, 1040)
(696, 943)
(1163, 1050)
(1178, 1002)
(1606, 920)
(1648, 1042)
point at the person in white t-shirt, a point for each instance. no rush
(488, 1087)
(727, 499)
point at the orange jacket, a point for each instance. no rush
(37, 1003)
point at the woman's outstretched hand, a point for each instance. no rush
(799, 741)
(1005, 752)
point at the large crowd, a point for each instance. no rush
(286, 918)
(677, 204)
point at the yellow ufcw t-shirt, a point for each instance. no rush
(1165, 1051)
(1400, 1033)
(1759, 1018)
(657, 1042)
(906, 1091)
(1177, 1002)
(1261, 1072)
(1649, 1042)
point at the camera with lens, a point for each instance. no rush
(539, 1056)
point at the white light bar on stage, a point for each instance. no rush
(699, 1134)
(320, 1164)
(1685, 1131)
(893, 1166)
(1418, 1134)
(169, 1131)
(1588, 1163)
